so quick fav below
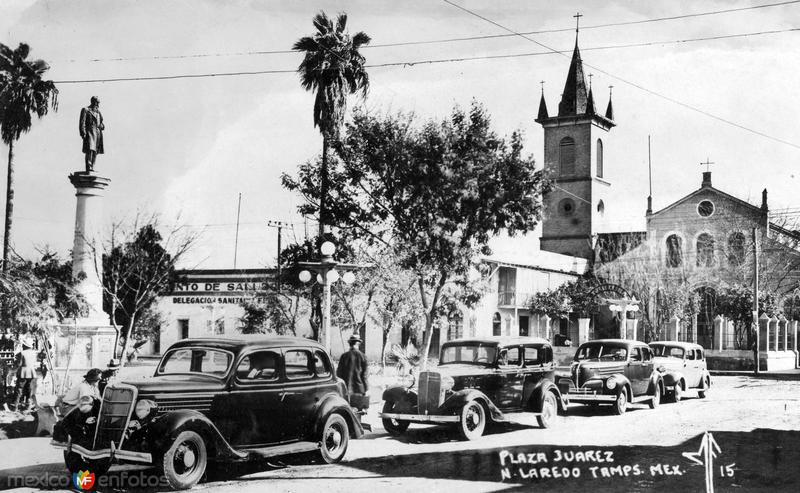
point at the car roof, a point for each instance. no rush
(627, 342)
(239, 342)
(681, 344)
(502, 340)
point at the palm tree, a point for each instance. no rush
(332, 68)
(22, 93)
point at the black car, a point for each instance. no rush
(478, 380)
(613, 371)
(215, 399)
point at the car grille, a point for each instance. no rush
(114, 415)
(429, 398)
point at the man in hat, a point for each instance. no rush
(109, 375)
(353, 370)
(91, 129)
(87, 388)
(26, 362)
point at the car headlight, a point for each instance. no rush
(407, 380)
(144, 408)
(447, 382)
(611, 383)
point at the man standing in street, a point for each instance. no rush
(353, 370)
(26, 362)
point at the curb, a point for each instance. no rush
(795, 376)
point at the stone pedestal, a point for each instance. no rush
(631, 325)
(719, 333)
(671, 330)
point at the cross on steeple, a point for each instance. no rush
(590, 80)
(708, 164)
(541, 82)
(577, 17)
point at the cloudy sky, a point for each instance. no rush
(190, 146)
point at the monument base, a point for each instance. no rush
(777, 360)
(78, 348)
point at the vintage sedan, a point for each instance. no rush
(613, 371)
(682, 366)
(215, 399)
(478, 380)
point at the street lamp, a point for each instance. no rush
(326, 275)
(623, 305)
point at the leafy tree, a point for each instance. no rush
(23, 93)
(572, 297)
(138, 265)
(332, 68)
(736, 304)
(434, 195)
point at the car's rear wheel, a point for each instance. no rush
(706, 385)
(656, 399)
(76, 463)
(621, 402)
(677, 392)
(334, 440)
(393, 426)
(185, 461)
(473, 420)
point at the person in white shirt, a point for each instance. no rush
(26, 362)
(87, 388)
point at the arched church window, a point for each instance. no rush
(455, 326)
(566, 156)
(497, 325)
(736, 248)
(599, 158)
(674, 251)
(705, 250)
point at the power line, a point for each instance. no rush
(443, 40)
(631, 83)
(435, 61)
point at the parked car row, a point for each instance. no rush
(483, 380)
(233, 400)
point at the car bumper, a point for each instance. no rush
(420, 418)
(589, 396)
(119, 454)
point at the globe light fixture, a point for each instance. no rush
(327, 249)
(304, 276)
(332, 276)
(349, 277)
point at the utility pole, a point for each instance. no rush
(236, 242)
(280, 225)
(755, 300)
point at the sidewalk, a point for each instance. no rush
(767, 375)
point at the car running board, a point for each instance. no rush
(287, 449)
(641, 398)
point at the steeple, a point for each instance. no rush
(610, 109)
(590, 102)
(542, 106)
(574, 99)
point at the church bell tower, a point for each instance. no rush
(574, 145)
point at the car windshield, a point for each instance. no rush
(667, 351)
(202, 361)
(611, 352)
(471, 353)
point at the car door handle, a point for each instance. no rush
(284, 394)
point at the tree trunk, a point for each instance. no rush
(9, 205)
(430, 314)
(323, 191)
(128, 333)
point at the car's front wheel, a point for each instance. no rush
(185, 461)
(549, 410)
(393, 426)
(706, 385)
(656, 399)
(473, 420)
(334, 440)
(621, 402)
(677, 392)
(76, 463)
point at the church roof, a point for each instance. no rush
(707, 188)
(575, 96)
(542, 109)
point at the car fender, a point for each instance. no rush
(622, 381)
(671, 378)
(331, 404)
(399, 394)
(163, 430)
(536, 400)
(655, 380)
(705, 375)
(455, 402)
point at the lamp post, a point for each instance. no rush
(326, 276)
(623, 305)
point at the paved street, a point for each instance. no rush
(754, 421)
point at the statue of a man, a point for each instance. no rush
(91, 128)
